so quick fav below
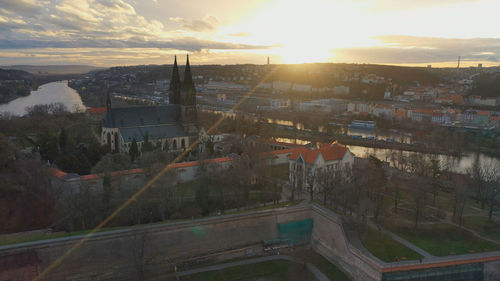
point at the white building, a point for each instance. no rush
(307, 166)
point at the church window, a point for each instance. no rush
(174, 145)
(183, 143)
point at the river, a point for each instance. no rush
(453, 163)
(54, 92)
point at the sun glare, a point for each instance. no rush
(306, 31)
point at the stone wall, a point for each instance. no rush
(115, 255)
(157, 249)
(329, 240)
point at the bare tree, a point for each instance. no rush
(419, 185)
(460, 194)
(164, 192)
(484, 175)
(139, 251)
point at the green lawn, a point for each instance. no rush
(278, 270)
(484, 227)
(21, 238)
(330, 270)
(267, 207)
(385, 248)
(442, 240)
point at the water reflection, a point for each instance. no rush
(55, 92)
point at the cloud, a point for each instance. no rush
(186, 43)
(410, 49)
(102, 24)
(208, 23)
(25, 7)
(240, 34)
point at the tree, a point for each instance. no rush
(107, 192)
(6, 152)
(62, 140)
(436, 172)
(493, 200)
(420, 190)
(164, 193)
(112, 162)
(139, 248)
(484, 175)
(146, 144)
(48, 145)
(459, 198)
(378, 180)
(134, 150)
(154, 161)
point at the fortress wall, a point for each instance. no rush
(329, 240)
(116, 255)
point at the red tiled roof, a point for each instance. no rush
(282, 151)
(328, 151)
(423, 110)
(96, 110)
(494, 117)
(483, 113)
(57, 173)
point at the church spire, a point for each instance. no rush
(188, 79)
(175, 85)
(108, 98)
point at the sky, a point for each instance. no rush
(130, 32)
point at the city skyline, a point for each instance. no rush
(121, 32)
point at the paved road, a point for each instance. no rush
(314, 270)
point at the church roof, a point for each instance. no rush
(329, 152)
(154, 132)
(121, 117)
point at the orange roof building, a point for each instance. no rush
(308, 166)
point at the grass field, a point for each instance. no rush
(443, 240)
(29, 237)
(483, 226)
(278, 270)
(385, 248)
(330, 270)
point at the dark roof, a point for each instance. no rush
(142, 116)
(154, 132)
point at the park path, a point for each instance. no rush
(405, 242)
(314, 270)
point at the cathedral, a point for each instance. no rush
(173, 127)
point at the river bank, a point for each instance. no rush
(54, 92)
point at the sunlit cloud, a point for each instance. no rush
(231, 31)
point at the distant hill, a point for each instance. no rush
(9, 74)
(54, 69)
(15, 84)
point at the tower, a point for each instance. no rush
(189, 116)
(174, 95)
(109, 115)
(188, 93)
(108, 98)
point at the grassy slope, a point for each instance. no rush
(443, 240)
(278, 270)
(385, 248)
(330, 270)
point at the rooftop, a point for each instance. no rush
(329, 152)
